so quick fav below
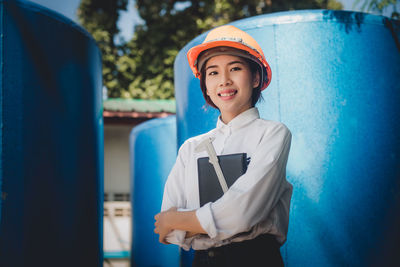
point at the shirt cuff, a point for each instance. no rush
(177, 237)
(206, 219)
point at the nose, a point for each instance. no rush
(225, 79)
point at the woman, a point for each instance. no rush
(249, 223)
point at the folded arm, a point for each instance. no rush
(172, 219)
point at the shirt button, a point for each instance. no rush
(211, 254)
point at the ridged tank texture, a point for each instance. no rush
(51, 140)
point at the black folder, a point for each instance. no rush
(233, 166)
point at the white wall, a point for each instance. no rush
(116, 180)
(116, 158)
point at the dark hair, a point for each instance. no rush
(256, 95)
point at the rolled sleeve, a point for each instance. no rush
(177, 237)
(205, 217)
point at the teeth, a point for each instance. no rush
(228, 94)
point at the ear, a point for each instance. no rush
(207, 92)
(256, 79)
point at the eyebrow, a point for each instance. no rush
(230, 63)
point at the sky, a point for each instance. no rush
(68, 8)
(129, 18)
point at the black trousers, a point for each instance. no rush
(260, 251)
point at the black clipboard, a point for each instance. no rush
(233, 166)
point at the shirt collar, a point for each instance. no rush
(240, 120)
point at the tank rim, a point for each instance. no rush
(45, 11)
(300, 16)
(311, 15)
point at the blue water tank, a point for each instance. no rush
(51, 140)
(153, 151)
(336, 85)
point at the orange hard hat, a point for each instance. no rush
(229, 36)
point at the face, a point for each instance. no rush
(230, 84)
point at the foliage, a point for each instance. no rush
(379, 6)
(143, 67)
(100, 17)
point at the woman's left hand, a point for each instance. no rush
(162, 227)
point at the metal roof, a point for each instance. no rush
(139, 105)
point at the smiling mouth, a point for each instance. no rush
(230, 93)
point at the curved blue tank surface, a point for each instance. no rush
(51, 136)
(153, 151)
(336, 85)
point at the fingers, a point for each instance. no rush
(162, 239)
(156, 228)
(159, 226)
(162, 234)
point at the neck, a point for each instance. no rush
(226, 117)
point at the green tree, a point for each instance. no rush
(143, 67)
(100, 17)
(379, 6)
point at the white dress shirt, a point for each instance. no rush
(258, 202)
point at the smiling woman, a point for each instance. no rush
(248, 222)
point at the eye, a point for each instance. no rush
(236, 68)
(211, 73)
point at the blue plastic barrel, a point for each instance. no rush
(336, 85)
(153, 150)
(51, 140)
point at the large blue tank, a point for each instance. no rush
(51, 136)
(336, 85)
(153, 151)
